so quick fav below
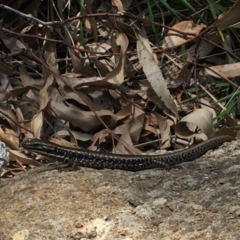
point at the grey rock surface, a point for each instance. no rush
(3, 156)
(198, 201)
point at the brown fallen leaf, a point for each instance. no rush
(200, 119)
(154, 75)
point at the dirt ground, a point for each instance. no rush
(198, 201)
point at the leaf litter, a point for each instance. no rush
(95, 77)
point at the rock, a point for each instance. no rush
(4, 156)
(198, 201)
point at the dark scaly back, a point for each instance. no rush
(194, 152)
(86, 158)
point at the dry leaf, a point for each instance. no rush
(16, 155)
(136, 124)
(225, 71)
(230, 17)
(127, 147)
(200, 119)
(44, 94)
(165, 130)
(117, 74)
(153, 73)
(174, 38)
(82, 119)
(36, 124)
(98, 138)
(4, 69)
